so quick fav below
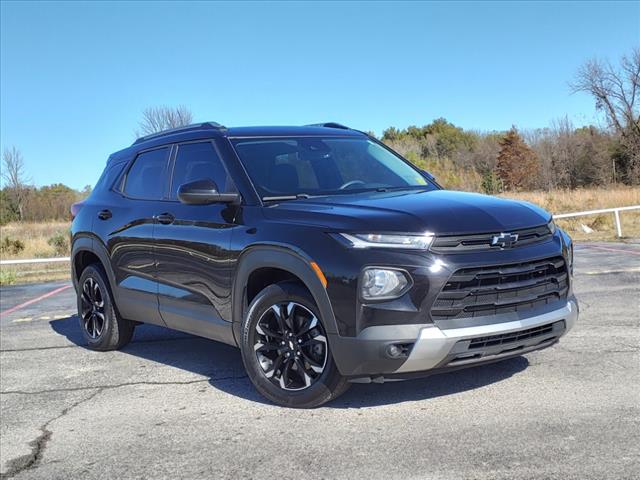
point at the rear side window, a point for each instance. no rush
(108, 176)
(199, 161)
(146, 177)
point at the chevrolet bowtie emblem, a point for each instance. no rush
(504, 240)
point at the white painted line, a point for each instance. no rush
(604, 272)
(21, 320)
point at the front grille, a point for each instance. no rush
(506, 338)
(482, 241)
(493, 347)
(475, 292)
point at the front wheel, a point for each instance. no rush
(285, 349)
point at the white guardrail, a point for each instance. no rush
(616, 212)
(27, 261)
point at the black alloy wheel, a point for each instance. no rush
(92, 310)
(290, 346)
(102, 326)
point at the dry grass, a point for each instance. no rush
(603, 226)
(567, 201)
(34, 273)
(35, 237)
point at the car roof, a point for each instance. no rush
(214, 130)
(291, 131)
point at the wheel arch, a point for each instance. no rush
(85, 251)
(295, 264)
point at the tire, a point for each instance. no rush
(101, 325)
(307, 377)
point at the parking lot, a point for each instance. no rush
(172, 405)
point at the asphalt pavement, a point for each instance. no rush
(171, 405)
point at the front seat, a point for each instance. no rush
(283, 178)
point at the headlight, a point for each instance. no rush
(381, 240)
(552, 226)
(382, 283)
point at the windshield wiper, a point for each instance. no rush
(282, 198)
(406, 187)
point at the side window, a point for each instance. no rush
(198, 161)
(109, 176)
(146, 177)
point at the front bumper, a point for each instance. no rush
(433, 349)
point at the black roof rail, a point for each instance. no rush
(185, 128)
(329, 125)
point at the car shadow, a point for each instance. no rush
(222, 364)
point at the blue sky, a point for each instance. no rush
(75, 77)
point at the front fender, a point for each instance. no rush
(289, 259)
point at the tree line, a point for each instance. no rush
(560, 156)
(21, 201)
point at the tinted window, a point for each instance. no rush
(147, 174)
(109, 176)
(324, 166)
(199, 161)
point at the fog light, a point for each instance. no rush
(399, 350)
(381, 284)
(394, 351)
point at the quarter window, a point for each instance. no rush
(146, 176)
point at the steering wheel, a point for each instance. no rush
(351, 183)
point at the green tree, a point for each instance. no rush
(8, 209)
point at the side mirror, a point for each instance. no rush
(204, 192)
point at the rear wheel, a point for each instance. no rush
(285, 349)
(101, 326)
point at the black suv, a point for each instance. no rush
(321, 253)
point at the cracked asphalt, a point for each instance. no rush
(171, 405)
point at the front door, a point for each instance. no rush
(192, 243)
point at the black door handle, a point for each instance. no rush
(104, 214)
(165, 218)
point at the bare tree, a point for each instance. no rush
(15, 178)
(616, 90)
(157, 119)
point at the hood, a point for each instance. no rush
(442, 212)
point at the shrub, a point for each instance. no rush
(9, 246)
(7, 277)
(491, 183)
(60, 243)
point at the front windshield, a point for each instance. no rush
(323, 166)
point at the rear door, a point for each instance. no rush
(128, 227)
(192, 244)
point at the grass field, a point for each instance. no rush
(34, 240)
(51, 239)
(603, 226)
